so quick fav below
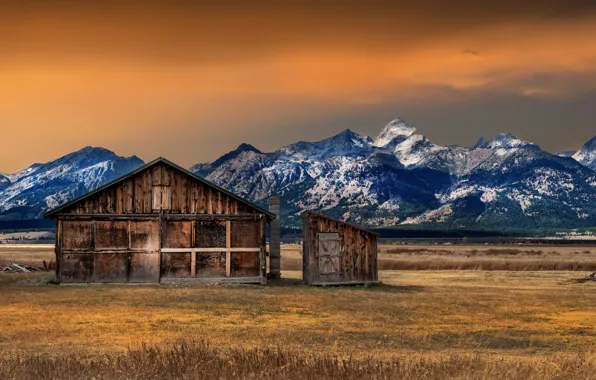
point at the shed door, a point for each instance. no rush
(329, 253)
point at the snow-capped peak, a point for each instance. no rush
(396, 129)
(589, 147)
(566, 153)
(503, 141)
(587, 154)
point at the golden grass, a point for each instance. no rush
(478, 324)
(509, 258)
(200, 361)
(468, 257)
(26, 254)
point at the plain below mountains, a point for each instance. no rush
(400, 178)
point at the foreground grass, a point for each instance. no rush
(418, 324)
(199, 361)
(504, 313)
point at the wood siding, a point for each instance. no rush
(160, 188)
(335, 252)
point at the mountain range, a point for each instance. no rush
(398, 178)
(29, 193)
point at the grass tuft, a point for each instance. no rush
(198, 360)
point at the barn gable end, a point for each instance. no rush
(159, 186)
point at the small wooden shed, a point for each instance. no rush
(336, 252)
(160, 223)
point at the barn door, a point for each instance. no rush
(329, 253)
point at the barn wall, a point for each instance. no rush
(350, 255)
(161, 249)
(108, 251)
(213, 248)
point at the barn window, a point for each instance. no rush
(162, 198)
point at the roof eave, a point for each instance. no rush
(307, 212)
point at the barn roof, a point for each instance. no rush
(64, 206)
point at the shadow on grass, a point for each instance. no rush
(387, 288)
(380, 287)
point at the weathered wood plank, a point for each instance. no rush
(58, 251)
(228, 246)
(223, 249)
(262, 262)
(209, 201)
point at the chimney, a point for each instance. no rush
(274, 240)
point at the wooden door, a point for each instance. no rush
(329, 254)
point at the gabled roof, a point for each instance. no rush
(56, 210)
(306, 213)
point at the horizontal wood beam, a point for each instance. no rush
(93, 251)
(323, 283)
(186, 250)
(228, 280)
(156, 216)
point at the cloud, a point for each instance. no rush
(471, 52)
(120, 74)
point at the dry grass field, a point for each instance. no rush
(473, 257)
(445, 324)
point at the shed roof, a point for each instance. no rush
(64, 206)
(305, 213)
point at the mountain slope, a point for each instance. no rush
(44, 186)
(4, 182)
(587, 154)
(401, 177)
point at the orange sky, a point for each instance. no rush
(191, 82)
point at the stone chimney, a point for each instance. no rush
(275, 239)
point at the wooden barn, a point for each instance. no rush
(160, 223)
(337, 253)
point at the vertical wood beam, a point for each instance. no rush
(209, 202)
(129, 235)
(193, 263)
(263, 252)
(160, 244)
(275, 239)
(94, 234)
(305, 248)
(129, 260)
(375, 262)
(228, 246)
(202, 199)
(193, 254)
(58, 251)
(93, 245)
